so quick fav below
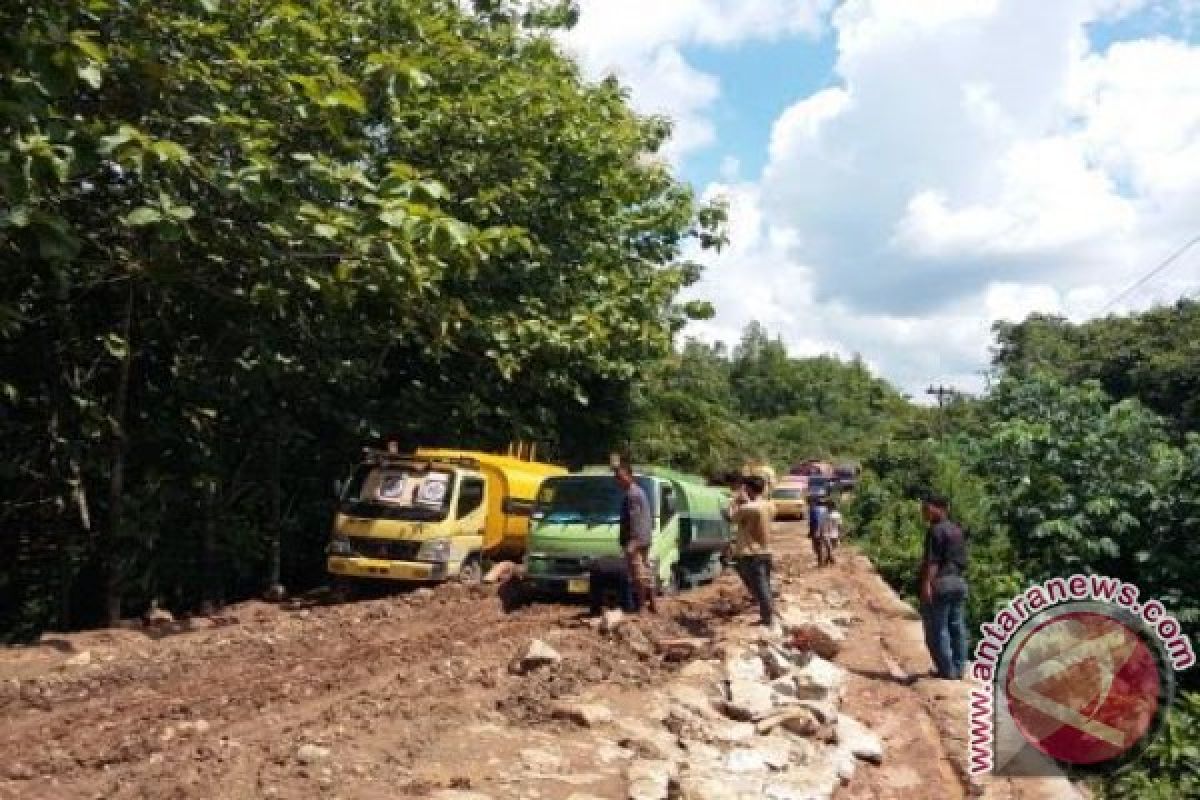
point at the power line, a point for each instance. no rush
(1171, 259)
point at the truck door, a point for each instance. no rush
(469, 519)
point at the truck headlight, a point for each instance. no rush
(340, 546)
(434, 550)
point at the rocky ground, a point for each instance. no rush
(447, 694)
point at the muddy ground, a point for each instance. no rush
(413, 693)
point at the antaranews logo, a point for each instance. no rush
(1076, 676)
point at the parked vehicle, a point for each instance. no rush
(433, 514)
(846, 475)
(577, 519)
(813, 468)
(790, 498)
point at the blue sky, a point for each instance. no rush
(910, 171)
(749, 105)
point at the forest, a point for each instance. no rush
(243, 240)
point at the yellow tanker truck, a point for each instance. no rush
(433, 514)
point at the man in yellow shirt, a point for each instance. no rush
(752, 549)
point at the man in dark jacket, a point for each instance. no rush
(637, 528)
(943, 587)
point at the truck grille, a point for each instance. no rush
(564, 566)
(384, 549)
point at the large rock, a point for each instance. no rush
(819, 635)
(776, 662)
(845, 763)
(647, 741)
(650, 780)
(537, 655)
(538, 760)
(772, 753)
(799, 720)
(693, 699)
(611, 619)
(158, 618)
(858, 739)
(309, 754)
(700, 670)
(587, 715)
(825, 713)
(749, 701)
(814, 781)
(501, 573)
(820, 680)
(684, 649)
(717, 784)
(81, 660)
(743, 665)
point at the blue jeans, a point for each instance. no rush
(946, 632)
(755, 572)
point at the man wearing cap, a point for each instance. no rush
(943, 588)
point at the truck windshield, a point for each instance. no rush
(590, 499)
(399, 492)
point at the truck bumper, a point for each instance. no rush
(561, 584)
(356, 567)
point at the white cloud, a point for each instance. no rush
(977, 160)
(641, 43)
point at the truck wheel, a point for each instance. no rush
(341, 590)
(471, 571)
(674, 584)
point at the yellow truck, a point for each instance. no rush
(433, 514)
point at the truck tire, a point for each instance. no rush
(674, 584)
(471, 571)
(341, 589)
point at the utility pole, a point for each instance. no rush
(942, 393)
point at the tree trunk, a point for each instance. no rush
(109, 568)
(208, 554)
(275, 555)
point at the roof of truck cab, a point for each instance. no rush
(505, 463)
(649, 471)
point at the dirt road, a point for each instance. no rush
(413, 693)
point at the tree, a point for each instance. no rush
(243, 239)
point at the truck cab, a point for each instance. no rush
(432, 515)
(577, 519)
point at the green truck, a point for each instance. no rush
(577, 517)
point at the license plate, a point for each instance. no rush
(577, 586)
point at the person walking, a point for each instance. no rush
(818, 531)
(636, 530)
(943, 589)
(752, 548)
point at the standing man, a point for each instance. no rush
(637, 526)
(752, 549)
(816, 523)
(943, 585)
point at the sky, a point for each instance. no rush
(902, 173)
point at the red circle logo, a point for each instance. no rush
(1083, 688)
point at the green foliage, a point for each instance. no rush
(1170, 766)
(1153, 356)
(241, 239)
(707, 410)
(1051, 479)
